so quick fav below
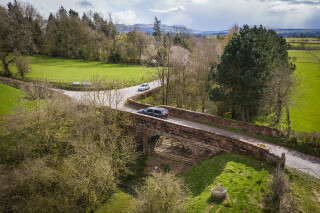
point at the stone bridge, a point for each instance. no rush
(200, 142)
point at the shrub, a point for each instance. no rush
(161, 193)
(67, 158)
(283, 199)
(23, 65)
(310, 139)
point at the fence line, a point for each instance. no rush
(308, 176)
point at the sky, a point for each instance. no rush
(197, 14)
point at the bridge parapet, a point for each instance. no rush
(193, 115)
(198, 139)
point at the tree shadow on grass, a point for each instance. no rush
(204, 173)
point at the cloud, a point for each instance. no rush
(293, 6)
(200, 1)
(127, 17)
(84, 4)
(172, 9)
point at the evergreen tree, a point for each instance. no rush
(244, 70)
(157, 30)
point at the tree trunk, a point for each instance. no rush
(289, 122)
(247, 114)
(202, 104)
(163, 88)
(233, 113)
(140, 53)
(167, 90)
(5, 64)
(243, 118)
(168, 78)
(278, 110)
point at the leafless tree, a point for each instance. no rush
(162, 193)
(109, 97)
(205, 53)
(180, 61)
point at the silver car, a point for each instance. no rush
(155, 111)
(143, 87)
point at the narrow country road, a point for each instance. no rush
(116, 99)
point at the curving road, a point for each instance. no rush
(116, 99)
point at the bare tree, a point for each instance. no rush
(180, 61)
(142, 40)
(205, 53)
(96, 97)
(284, 93)
(285, 202)
(162, 193)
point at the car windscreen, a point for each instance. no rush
(165, 111)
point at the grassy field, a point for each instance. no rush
(67, 70)
(247, 180)
(304, 43)
(9, 98)
(306, 116)
(305, 40)
(248, 183)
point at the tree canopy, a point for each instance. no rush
(244, 70)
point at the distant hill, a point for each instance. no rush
(284, 32)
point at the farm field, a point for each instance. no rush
(306, 115)
(304, 43)
(67, 70)
(305, 40)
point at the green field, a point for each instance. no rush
(68, 70)
(305, 40)
(9, 99)
(248, 183)
(247, 180)
(306, 115)
(304, 43)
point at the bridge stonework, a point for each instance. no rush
(200, 142)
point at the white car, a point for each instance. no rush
(143, 87)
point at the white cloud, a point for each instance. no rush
(200, 1)
(285, 6)
(127, 17)
(197, 14)
(172, 9)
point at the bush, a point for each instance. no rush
(310, 139)
(162, 193)
(67, 158)
(283, 198)
(114, 57)
(23, 65)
